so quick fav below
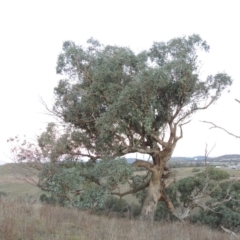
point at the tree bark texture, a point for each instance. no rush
(156, 188)
(150, 203)
(154, 193)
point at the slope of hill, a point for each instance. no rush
(23, 220)
(12, 181)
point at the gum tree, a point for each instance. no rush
(117, 102)
(120, 102)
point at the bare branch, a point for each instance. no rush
(233, 234)
(132, 191)
(140, 150)
(142, 163)
(215, 126)
(188, 113)
(161, 142)
(181, 131)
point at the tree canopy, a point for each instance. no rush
(120, 102)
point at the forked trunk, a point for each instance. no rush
(153, 195)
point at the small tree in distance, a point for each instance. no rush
(116, 102)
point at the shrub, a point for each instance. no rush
(196, 170)
(3, 194)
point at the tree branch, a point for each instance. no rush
(142, 163)
(230, 232)
(195, 109)
(215, 126)
(161, 142)
(132, 191)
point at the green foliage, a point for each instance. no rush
(83, 185)
(162, 213)
(217, 188)
(110, 94)
(226, 214)
(116, 204)
(51, 200)
(121, 206)
(215, 174)
(181, 192)
(185, 189)
(3, 194)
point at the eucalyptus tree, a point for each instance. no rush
(116, 102)
(120, 102)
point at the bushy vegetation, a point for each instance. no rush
(194, 170)
(84, 185)
(115, 207)
(121, 207)
(226, 214)
(213, 193)
(3, 194)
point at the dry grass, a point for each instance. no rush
(21, 220)
(187, 171)
(12, 181)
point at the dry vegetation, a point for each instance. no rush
(22, 221)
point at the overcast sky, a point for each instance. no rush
(31, 37)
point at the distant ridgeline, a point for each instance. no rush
(223, 158)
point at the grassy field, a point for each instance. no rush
(12, 182)
(22, 220)
(180, 172)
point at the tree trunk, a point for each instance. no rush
(153, 195)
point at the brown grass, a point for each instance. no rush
(21, 220)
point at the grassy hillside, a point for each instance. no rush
(22, 220)
(12, 181)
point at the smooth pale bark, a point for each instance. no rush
(156, 187)
(154, 193)
(150, 203)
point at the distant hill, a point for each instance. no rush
(174, 159)
(227, 157)
(188, 159)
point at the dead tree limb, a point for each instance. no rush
(233, 234)
(215, 126)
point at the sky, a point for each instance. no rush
(31, 37)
